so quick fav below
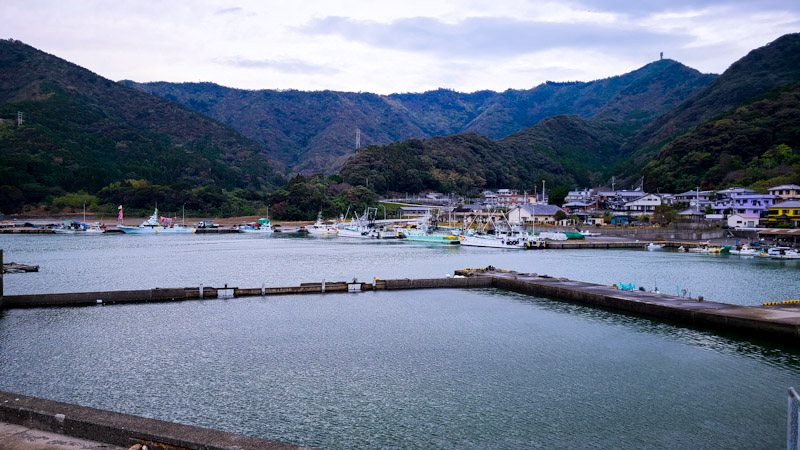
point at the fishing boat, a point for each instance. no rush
(780, 253)
(262, 226)
(745, 250)
(320, 228)
(428, 236)
(653, 246)
(154, 225)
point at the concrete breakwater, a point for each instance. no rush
(780, 323)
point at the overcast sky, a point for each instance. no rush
(392, 46)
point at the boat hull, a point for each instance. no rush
(155, 230)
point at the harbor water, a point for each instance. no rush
(403, 369)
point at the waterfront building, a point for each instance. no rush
(786, 192)
(534, 214)
(784, 213)
(743, 221)
(744, 203)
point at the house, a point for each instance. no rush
(743, 221)
(644, 205)
(533, 214)
(730, 192)
(786, 192)
(697, 199)
(619, 220)
(414, 211)
(691, 215)
(582, 196)
(616, 200)
(784, 213)
(744, 203)
(576, 207)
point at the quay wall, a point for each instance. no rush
(120, 429)
(772, 324)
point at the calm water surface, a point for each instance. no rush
(421, 369)
(88, 263)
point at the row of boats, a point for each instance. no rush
(741, 250)
(425, 230)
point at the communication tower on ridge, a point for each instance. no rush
(358, 138)
(662, 55)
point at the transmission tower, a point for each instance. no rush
(358, 138)
(19, 118)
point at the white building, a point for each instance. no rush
(533, 214)
(644, 205)
(743, 221)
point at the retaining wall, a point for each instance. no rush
(120, 429)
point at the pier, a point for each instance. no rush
(776, 322)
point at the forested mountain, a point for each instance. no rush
(82, 132)
(761, 70)
(315, 131)
(729, 133)
(565, 150)
(756, 144)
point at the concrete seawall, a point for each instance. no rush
(120, 429)
(781, 323)
(194, 293)
(777, 324)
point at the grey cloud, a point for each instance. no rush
(488, 37)
(281, 65)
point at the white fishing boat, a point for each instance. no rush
(745, 250)
(780, 253)
(320, 228)
(155, 226)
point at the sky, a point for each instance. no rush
(392, 46)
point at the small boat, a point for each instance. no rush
(745, 250)
(70, 227)
(155, 226)
(653, 246)
(262, 227)
(320, 228)
(780, 253)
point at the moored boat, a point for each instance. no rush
(154, 225)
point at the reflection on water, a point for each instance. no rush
(433, 368)
(769, 352)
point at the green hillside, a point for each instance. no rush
(756, 144)
(761, 70)
(82, 133)
(565, 150)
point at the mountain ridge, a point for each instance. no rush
(315, 131)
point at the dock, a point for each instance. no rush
(779, 322)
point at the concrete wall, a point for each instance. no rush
(729, 318)
(120, 429)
